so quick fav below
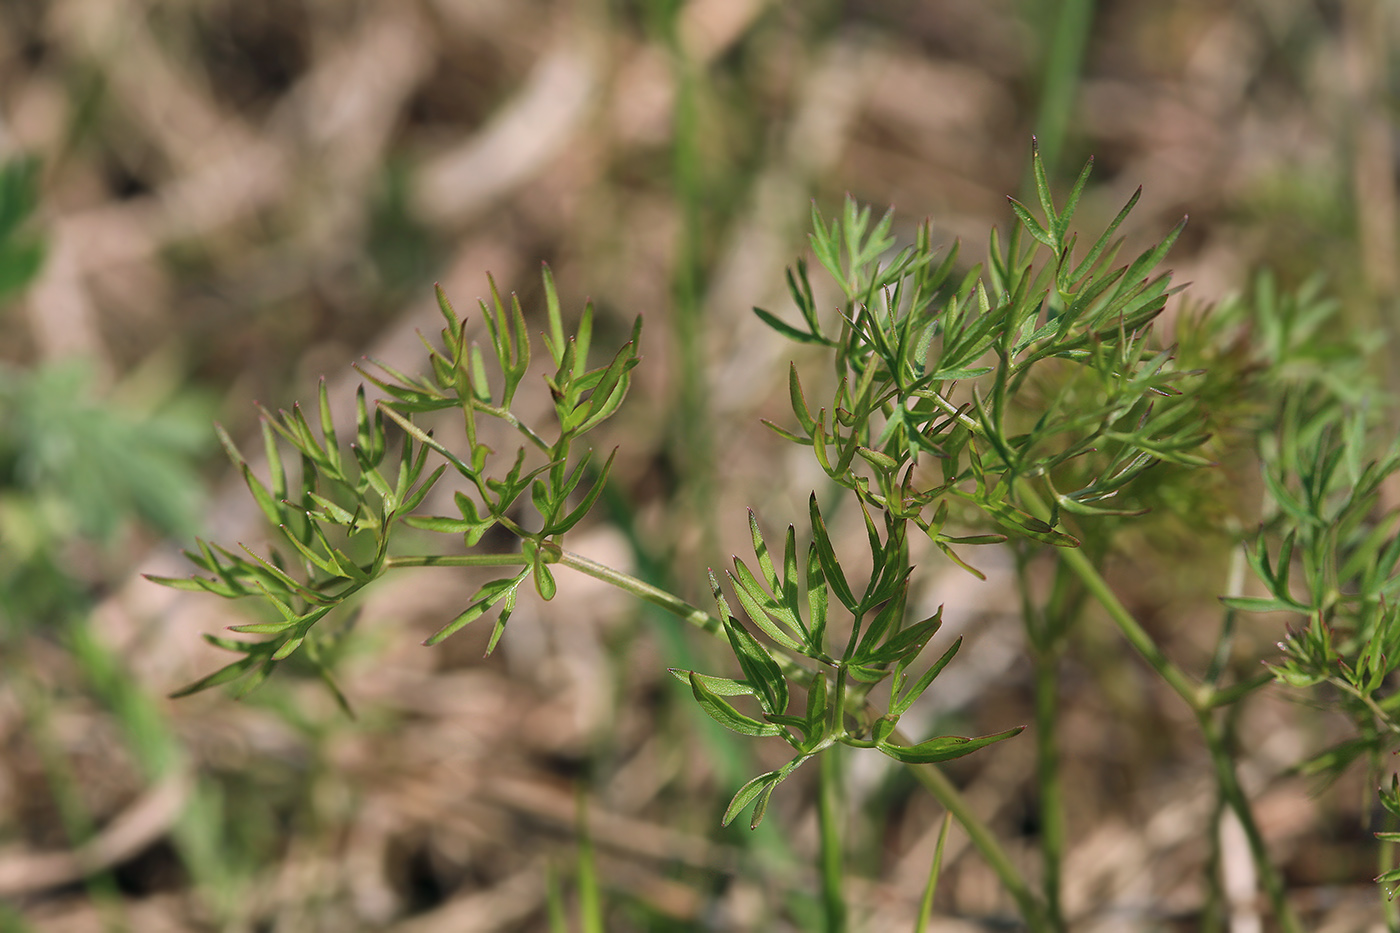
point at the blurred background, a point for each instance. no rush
(211, 202)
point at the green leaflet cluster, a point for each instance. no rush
(338, 521)
(1333, 527)
(949, 371)
(791, 606)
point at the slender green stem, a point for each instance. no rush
(1226, 696)
(926, 903)
(1234, 586)
(830, 858)
(554, 902)
(1045, 628)
(1386, 861)
(694, 196)
(676, 606)
(1031, 908)
(1069, 34)
(645, 591)
(455, 560)
(962, 418)
(506, 415)
(1230, 789)
(1212, 918)
(1383, 720)
(1201, 700)
(624, 581)
(1196, 695)
(590, 897)
(1047, 761)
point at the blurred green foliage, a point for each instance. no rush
(74, 467)
(21, 250)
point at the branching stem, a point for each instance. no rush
(1201, 699)
(1234, 795)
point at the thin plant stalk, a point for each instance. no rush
(1195, 695)
(1202, 702)
(731, 759)
(1213, 910)
(1234, 586)
(926, 902)
(830, 810)
(1047, 760)
(554, 902)
(1385, 859)
(1045, 629)
(590, 899)
(1071, 22)
(695, 433)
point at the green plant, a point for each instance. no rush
(21, 250)
(1326, 550)
(1021, 405)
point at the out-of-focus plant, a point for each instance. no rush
(73, 467)
(79, 475)
(1327, 550)
(1025, 404)
(21, 249)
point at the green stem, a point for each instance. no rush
(926, 903)
(455, 560)
(624, 581)
(830, 860)
(1230, 789)
(509, 418)
(1052, 804)
(590, 898)
(695, 433)
(1386, 861)
(1069, 34)
(1045, 629)
(1031, 908)
(1196, 695)
(644, 591)
(1383, 719)
(676, 606)
(1234, 586)
(1213, 911)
